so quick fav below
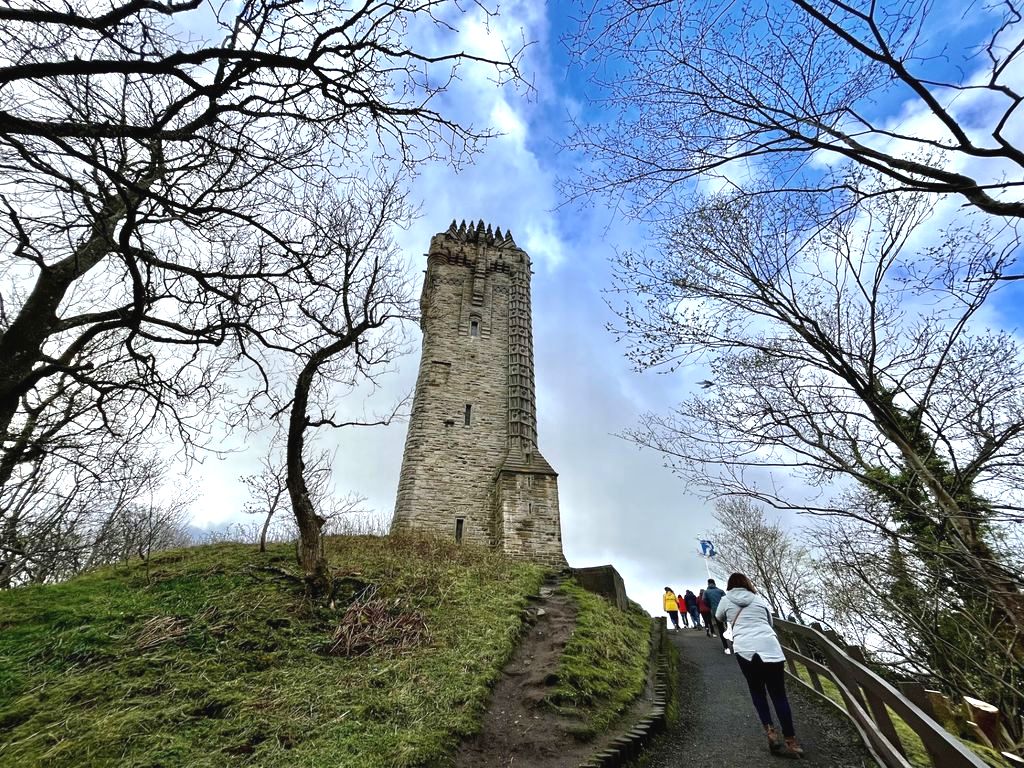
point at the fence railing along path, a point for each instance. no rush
(868, 699)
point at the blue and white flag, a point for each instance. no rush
(707, 549)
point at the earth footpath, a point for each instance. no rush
(518, 729)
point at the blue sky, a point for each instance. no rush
(619, 504)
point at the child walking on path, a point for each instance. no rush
(760, 657)
(681, 602)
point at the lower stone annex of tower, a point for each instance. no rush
(472, 469)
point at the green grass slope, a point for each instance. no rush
(604, 664)
(212, 659)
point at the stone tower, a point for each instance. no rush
(471, 469)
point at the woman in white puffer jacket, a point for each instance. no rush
(759, 654)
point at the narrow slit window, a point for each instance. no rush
(459, 522)
(469, 415)
(474, 327)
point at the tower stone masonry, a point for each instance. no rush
(472, 470)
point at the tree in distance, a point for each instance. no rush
(781, 567)
(268, 495)
(104, 502)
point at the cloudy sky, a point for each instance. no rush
(619, 504)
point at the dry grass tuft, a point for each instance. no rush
(160, 630)
(164, 629)
(375, 625)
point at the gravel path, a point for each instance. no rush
(718, 728)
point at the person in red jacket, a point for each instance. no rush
(681, 602)
(705, 613)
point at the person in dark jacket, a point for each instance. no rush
(713, 596)
(705, 613)
(691, 608)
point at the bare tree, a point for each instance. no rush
(268, 492)
(854, 353)
(145, 526)
(751, 92)
(351, 291)
(150, 176)
(773, 558)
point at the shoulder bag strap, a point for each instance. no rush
(738, 616)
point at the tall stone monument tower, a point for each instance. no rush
(471, 469)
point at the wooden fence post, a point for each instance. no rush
(879, 712)
(914, 691)
(942, 708)
(815, 680)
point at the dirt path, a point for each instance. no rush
(518, 731)
(515, 731)
(718, 727)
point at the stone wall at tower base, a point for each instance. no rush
(526, 516)
(603, 580)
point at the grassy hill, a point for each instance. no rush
(211, 657)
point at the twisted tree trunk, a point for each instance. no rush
(310, 550)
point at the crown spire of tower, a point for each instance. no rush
(479, 232)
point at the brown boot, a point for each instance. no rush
(793, 748)
(774, 744)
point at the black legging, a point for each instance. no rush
(709, 626)
(720, 625)
(771, 675)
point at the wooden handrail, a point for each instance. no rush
(864, 692)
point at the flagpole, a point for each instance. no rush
(705, 557)
(702, 556)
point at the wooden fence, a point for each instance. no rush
(869, 699)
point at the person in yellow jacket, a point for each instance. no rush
(671, 607)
